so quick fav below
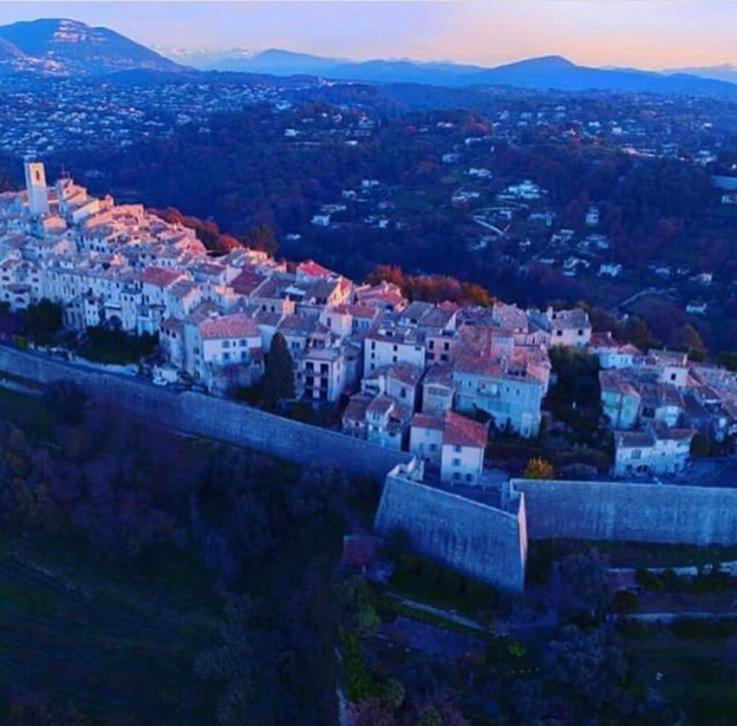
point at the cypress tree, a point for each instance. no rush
(278, 381)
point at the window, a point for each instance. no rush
(243, 343)
(457, 449)
(226, 344)
(456, 462)
(433, 447)
(226, 356)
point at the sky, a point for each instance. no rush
(637, 33)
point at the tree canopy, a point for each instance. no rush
(278, 381)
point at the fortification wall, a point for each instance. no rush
(482, 542)
(203, 415)
(629, 512)
(478, 540)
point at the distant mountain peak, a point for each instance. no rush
(550, 62)
(62, 46)
(721, 72)
(67, 47)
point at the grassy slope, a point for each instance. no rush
(689, 671)
(116, 642)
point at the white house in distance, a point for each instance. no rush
(386, 422)
(229, 351)
(392, 343)
(454, 444)
(657, 450)
(612, 354)
(567, 327)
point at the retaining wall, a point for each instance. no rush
(477, 540)
(203, 415)
(672, 514)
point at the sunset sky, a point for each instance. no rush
(643, 33)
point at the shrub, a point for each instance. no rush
(539, 468)
(649, 581)
(624, 602)
(359, 684)
(392, 694)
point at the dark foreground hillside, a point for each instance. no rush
(149, 578)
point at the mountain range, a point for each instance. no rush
(548, 72)
(724, 72)
(69, 48)
(62, 47)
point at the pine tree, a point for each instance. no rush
(278, 381)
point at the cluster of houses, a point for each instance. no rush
(657, 402)
(78, 114)
(431, 371)
(419, 373)
(418, 376)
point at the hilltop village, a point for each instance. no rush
(431, 379)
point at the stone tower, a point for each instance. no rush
(38, 198)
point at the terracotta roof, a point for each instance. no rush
(666, 434)
(172, 324)
(159, 276)
(182, 288)
(356, 408)
(358, 311)
(617, 381)
(310, 268)
(404, 372)
(247, 281)
(462, 431)
(511, 317)
(238, 325)
(415, 310)
(263, 317)
(382, 293)
(300, 324)
(573, 318)
(439, 374)
(603, 340)
(381, 404)
(423, 421)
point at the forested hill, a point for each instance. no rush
(247, 172)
